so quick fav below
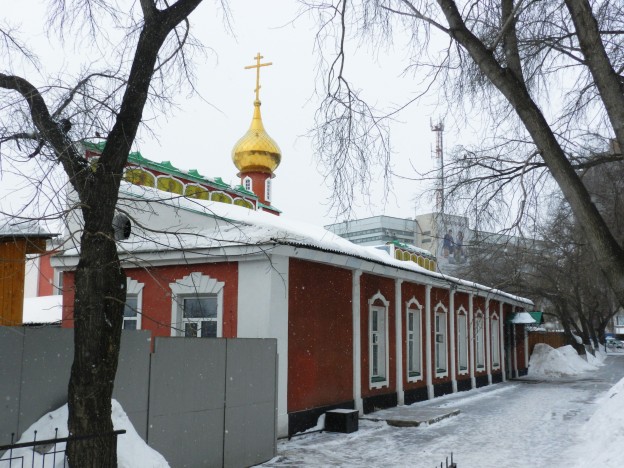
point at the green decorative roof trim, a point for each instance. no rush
(219, 181)
(272, 208)
(240, 188)
(412, 248)
(166, 167)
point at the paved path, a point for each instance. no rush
(518, 424)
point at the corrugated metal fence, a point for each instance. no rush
(199, 402)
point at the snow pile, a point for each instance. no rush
(603, 434)
(597, 359)
(132, 451)
(562, 362)
(43, 309)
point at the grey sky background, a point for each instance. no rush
(201, 131)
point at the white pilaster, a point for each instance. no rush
(357, 343)
(452, 339)
(526, 346)
(488, 344)
(399, 365)
(428, 341)
(514, 349)
(501, 333)
(263, 313)
(471, 337)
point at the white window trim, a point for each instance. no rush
(446, 338)
(135, 288)
(245, 180)
(384, 308)
(463, 312)
(195, 284)
(480, 345)
(268, 187)
(495, 331)
(414, 306)
(57, 287)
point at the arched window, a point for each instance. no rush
(440, 339)
(140, 177)
(462, 340)
(378, 340)
(495, 332)
(195, 191)
(413, 318)
(244, 203)
(268, 189)
(197, 306)
(169, 184)
(220, 197)
(480, 340)
(248, 184)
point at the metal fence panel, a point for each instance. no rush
(131, 383)
(187, 395)
(11, 348)
(48, 355)
(250, 414)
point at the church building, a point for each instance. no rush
(356, 327)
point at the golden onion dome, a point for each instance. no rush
(256, 151)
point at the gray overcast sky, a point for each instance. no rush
(200, 134)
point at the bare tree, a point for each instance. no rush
(510, 59)
(41, 125)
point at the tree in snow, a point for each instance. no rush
(142, 56)
(546, 77)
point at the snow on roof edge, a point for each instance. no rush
(280, 230)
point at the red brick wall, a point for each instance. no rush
(45, 285)
(156, 306)
(369, 286)
(320, 335)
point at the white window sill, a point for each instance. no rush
(381, 384)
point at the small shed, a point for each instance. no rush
(17, 241)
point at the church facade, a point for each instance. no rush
(356, 327)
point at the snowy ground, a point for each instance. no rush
(540, 421)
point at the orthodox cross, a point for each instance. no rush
(257, 67)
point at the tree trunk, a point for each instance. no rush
(97, 333)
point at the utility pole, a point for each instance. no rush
(438, 157)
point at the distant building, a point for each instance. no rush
(376, 230)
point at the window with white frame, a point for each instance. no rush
(440, 339)
(495, 342)
(199, 315)
(378, 340)
(462, 340)
(480, 342)
(619, 320)
(197, 306)
(247, 183)
(267, 190)
(58, 283)
(133, 306)
(414, 359)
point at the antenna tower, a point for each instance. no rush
(438, 157)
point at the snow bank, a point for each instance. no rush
(132, 451)
(43, 309)
(562, 362)
(603, 433)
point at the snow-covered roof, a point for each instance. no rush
(522, 318)
(222, 225)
